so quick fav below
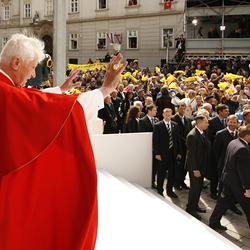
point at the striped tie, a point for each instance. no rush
(170, 137)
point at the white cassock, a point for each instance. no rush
(91, 102)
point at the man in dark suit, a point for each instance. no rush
(166, 146)
(198, 148)
(146, 125)
(235, 179)
(216, 124)
(117, 103)
(107, 114)
(185, 126)
(222, 139)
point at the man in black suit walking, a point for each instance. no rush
(222, 139)
(235, 179)
(198, 147)
(146, 125)
(185, 127)
(216, 124)
(166, 146)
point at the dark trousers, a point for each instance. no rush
(194, 192)
(213, 177)
(163, 166)
(226, 200)
(180, 171)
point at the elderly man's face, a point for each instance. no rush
(23, 71)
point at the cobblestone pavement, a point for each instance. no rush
(238, 231)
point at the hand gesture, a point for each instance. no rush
(112, 76)
(69, 81)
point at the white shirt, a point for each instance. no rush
(230, 131)
(91, 103)
(168, 124)
(201, 131)
(151, 119)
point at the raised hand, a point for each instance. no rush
(112, 76)
(69, 81)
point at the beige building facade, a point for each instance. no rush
(147, 29)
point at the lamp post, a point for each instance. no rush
(195, 22)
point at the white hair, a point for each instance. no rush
(24, 47)
(207, 106)
(138, 104)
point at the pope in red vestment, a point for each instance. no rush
(48, 182)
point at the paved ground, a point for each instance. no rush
(238, 231)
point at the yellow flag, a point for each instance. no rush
(232, 76)
(170, 79)
(200, 72)
(163, 79)
(190, 79)
(135, 73)
(157, 70)
(173, 85)
(180, 72)
(223, 85)
(144, 78)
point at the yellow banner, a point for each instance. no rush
(88, 67)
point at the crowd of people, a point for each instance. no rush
(194, 114)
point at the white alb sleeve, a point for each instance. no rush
(53, 90)
(91, 103)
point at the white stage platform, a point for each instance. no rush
(131, 218)
(125, 155)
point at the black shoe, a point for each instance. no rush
(172, 194)
(201, 210)
(194, 214)
(236, 210)
(214, 196)
(153, 186)
(160, 193)
(218, 227)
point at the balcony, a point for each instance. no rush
(218, 46)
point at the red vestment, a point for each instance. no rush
(48, 181)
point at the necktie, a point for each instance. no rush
(183, 120)
(152, 121)
(224, 122)
(170, 136)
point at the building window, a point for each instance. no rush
(49, 8)
(132, 2)
(168, 38)
(101, 40)
(27, 10)
(4, 41)
(7, 12)
(102, 4)
(132, 42)
(74, 6)
(73, 41)
(73, 60)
